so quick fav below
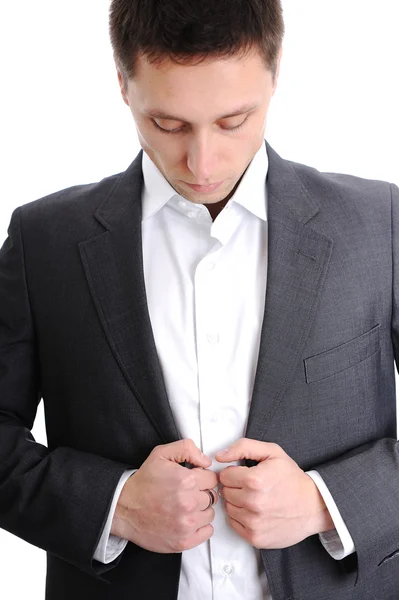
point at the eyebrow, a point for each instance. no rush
(159, 114)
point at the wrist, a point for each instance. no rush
(119, 521)
(122, 516)
(320, 519)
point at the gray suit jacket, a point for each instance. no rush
(75, 330)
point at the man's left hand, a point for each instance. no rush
(274, 504)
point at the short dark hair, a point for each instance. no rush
(192, 31)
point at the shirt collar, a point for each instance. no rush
(251, 193)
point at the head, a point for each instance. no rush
(198, 78)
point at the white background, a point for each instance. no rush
(63, 123)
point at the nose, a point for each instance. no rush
(201, 159)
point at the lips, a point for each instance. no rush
(204, 188)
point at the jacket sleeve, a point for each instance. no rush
(338, 541)
(365, 481)
(58, 500)
(111, 546)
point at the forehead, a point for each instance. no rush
(227, 70)
(223, 88)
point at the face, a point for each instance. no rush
(201, 124)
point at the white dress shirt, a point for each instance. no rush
(205, 284)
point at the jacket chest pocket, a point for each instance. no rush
(342, 357)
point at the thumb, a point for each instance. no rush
(250, 449)
(183, 451)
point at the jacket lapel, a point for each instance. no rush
(113, 264)
(298, 258)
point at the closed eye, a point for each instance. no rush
(181, 130)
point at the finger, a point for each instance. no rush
(200, 536)
(204, 499)
(251, 449)
(239, 528)
(205, 479)
(236, 497)
(236, 513)
(183, 451)
(203, 518)
(235, 477)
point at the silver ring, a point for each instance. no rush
(212, 498)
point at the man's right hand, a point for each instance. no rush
(162, 507)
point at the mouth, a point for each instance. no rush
(205, 189)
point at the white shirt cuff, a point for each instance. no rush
(338, 542)
(111, 546)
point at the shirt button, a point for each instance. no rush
(191, 214)
(215, 417)
(212, 338)
(228, 570)
(182, 203)
(210, 266)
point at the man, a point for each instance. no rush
(214, 296)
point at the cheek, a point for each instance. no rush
(162, 153)
(146, 135)
(154, 146)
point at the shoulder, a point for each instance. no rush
(347, 199)
(77, 201)
(341, 185)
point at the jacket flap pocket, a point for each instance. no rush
(343, 356)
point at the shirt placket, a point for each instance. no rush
(212, 395)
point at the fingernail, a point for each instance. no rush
(223, 452)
